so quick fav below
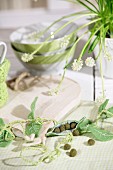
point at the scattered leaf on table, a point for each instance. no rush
(100, 134)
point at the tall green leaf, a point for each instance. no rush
(33, 105)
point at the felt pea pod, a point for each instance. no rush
(61, 129)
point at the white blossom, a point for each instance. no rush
(90, 62)
(64, 42)
(26, 57)
(77, 65)
(53, 92)
(52, 35)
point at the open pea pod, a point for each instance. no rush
(61, 129)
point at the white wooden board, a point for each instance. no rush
(50, 107)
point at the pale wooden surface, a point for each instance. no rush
(51, 107)
(88, 78)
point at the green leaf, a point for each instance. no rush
(100, 134)
(2, 124)
(110, 109)
(5, 143)
(108, 113)
(83, 125)
(6, 138)
(103, 105)
(93, 45)
(2, 136)
(33, 105)
(33, 128)
(9, 135)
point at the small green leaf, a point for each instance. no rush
(2, 124)
(83, 124)
(2, 136)
(110, 109)
(5, 143)
(6, 138)
(33, 105)
(100, 134)
(33, 128)
(103, 105)
(9, 135)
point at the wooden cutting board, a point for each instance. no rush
(50, 107)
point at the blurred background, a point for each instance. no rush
(24, 4)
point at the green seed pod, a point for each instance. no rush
(62, 128)
(91, 142)
(67, 146)
(75, 132)
(73, 152)
(49, 130)
(73, 125)
(67, 126)
(57, 130)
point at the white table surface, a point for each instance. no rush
(88, 78)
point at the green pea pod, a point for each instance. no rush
(62, 129)
(93, 45)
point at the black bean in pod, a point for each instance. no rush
(73, 152)
(91, 142)
(75, 132)
(73, 125)
(57, 130)
(62, 128)
(67, 126)
(67, 146)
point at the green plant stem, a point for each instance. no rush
(85, 5)
(81, 54)
(102, 77)
(89, 23)
(76, 44)
(100, 49)
(62, 18)
(62, 79)
(69, 22)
